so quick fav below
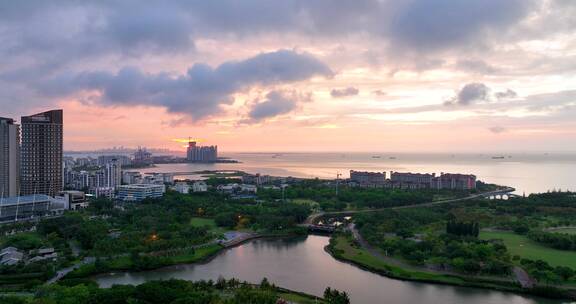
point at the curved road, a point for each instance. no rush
(313, 218)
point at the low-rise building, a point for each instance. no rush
(25, 207)
(139, 192)
(199, 186)
(107, 192)
(10, 256)
(182, 187)
(130, 177)
(72, 199)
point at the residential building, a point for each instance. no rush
(411, 180)
(201, 153)
(182, 187)
(130, 177)
(112, 174)
(107, 192)
(199, 186)
(455, 181)
(369, 179)
(41, 154)
(139, 192)
(9, 157)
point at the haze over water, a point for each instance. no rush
(528, 173)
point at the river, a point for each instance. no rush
(303, 265)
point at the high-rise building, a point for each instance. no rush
(9, 158)
(201, 153)
(42, 146)
(113, 174)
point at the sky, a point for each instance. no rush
(297, 75)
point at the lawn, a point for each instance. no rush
(210, 223)
(201, 222)
(526, 248)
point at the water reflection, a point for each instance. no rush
(302, 264)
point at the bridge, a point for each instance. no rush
(314, 218)
(321, 228)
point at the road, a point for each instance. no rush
(313, 218)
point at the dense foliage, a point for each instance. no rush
(446, 237)
(159, 292)
(560, 241)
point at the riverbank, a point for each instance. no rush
(342, 249)
(201, 254)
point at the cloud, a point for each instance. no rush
(475, 66)
(379, 93)
(497, 129)
(508, 94)
(431, 25)
(275, 104)
(197, 94)
(349, 91)
(470, 93)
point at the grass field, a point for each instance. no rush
(526, 248)
(203, 222)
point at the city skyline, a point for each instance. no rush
(368, 76)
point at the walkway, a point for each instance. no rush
(313, 218)
(63, 272)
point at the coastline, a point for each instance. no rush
(398, 273)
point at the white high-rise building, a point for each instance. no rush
(113, 174)
(9, 158)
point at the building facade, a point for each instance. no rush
(201, 153)
(41, 154)
(9, 158)
(368, 178)
(138, 192)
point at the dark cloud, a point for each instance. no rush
(428, 25)
(275, 104)
(508, 94)
(200, 92)
(349, 91)
(471, 93)
(84, 28)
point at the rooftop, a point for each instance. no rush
(27, 199)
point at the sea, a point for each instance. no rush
(527, 173)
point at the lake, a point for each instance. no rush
(303, 265)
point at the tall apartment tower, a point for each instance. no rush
(42, 148)
(9, 158)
